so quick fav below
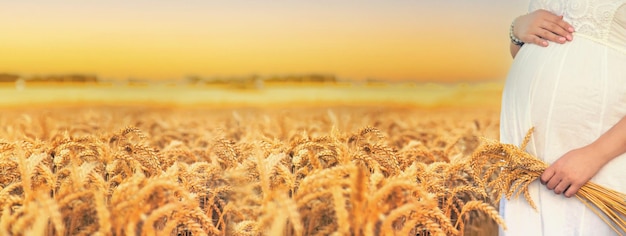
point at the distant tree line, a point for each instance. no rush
(8, 78)
(242, 82)
(314, 78)
(75, 78)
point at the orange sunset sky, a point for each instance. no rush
(443, 40)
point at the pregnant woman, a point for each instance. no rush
(568, 80)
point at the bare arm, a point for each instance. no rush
(612, 143)
(575, 168)
(514, 49)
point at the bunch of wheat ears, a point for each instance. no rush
(516, 169)
(305, 171)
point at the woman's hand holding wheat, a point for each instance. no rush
(570, 172)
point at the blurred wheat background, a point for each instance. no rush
(297, 171)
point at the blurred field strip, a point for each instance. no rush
(421, 95)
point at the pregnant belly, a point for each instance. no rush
(576, 89)
(582, 74)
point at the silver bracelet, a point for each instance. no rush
(514, 39)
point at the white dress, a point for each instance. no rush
(571, 94)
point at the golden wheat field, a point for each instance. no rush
(244, 171)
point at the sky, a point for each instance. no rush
(437, 40)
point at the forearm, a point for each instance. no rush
(612, 143)
(514, 49)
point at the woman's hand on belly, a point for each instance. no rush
(541, 26)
